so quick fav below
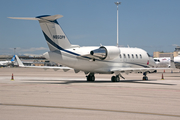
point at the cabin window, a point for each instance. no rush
(124, 55)
(128, 56)
(120, 56)
(140, 56)
(132, 56)
(136, 56)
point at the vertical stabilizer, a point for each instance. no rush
(19, 61)
(53, 33)
(12, 60)
(172, 62)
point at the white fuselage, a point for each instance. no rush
(165, 61)
(127, 58)
(5, 62)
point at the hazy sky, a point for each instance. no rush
(153, 25)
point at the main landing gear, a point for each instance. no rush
(90, 77)
(115, 78)
(145, 76)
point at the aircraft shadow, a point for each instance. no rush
(144, 82)
(98, 81)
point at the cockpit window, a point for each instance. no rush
(148, 55)
(156, 60)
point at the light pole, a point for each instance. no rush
(117, 3)
(14, 51)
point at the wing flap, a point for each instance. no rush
(130, 70)
(136, 70)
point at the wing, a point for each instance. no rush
(137, 70)
(130, 70)
(42, 67)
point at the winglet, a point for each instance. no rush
(19, 61)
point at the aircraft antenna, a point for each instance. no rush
(117, 3)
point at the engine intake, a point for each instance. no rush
(106, 52)
(100, 53)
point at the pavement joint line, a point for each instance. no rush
(90, 109)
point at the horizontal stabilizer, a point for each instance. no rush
(24, 18)
(48, 17)
(44, 17)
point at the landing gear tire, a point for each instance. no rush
(145, 77)
(91, 77)
(115, 78)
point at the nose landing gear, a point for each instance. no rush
(115, 78)
(90, 77)
(145, 76)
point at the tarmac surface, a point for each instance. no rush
(50, 95)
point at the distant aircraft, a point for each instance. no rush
(166, 61)
(92, 60)
(6, 63)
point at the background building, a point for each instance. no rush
(164, 54)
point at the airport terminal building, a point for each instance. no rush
(167, 54)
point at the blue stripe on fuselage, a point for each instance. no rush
(58, 47)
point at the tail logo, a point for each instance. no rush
(59, 36)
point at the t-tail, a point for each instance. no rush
(12, 60)
(53, 33)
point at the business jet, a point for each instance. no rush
(162, 62)
(166, 61)
(93, 59)
(6, 63)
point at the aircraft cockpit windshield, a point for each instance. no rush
(156, 60)
(148, 55)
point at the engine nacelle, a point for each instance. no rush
(106, 52)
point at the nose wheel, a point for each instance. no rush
(90, 77)
(145, 76)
